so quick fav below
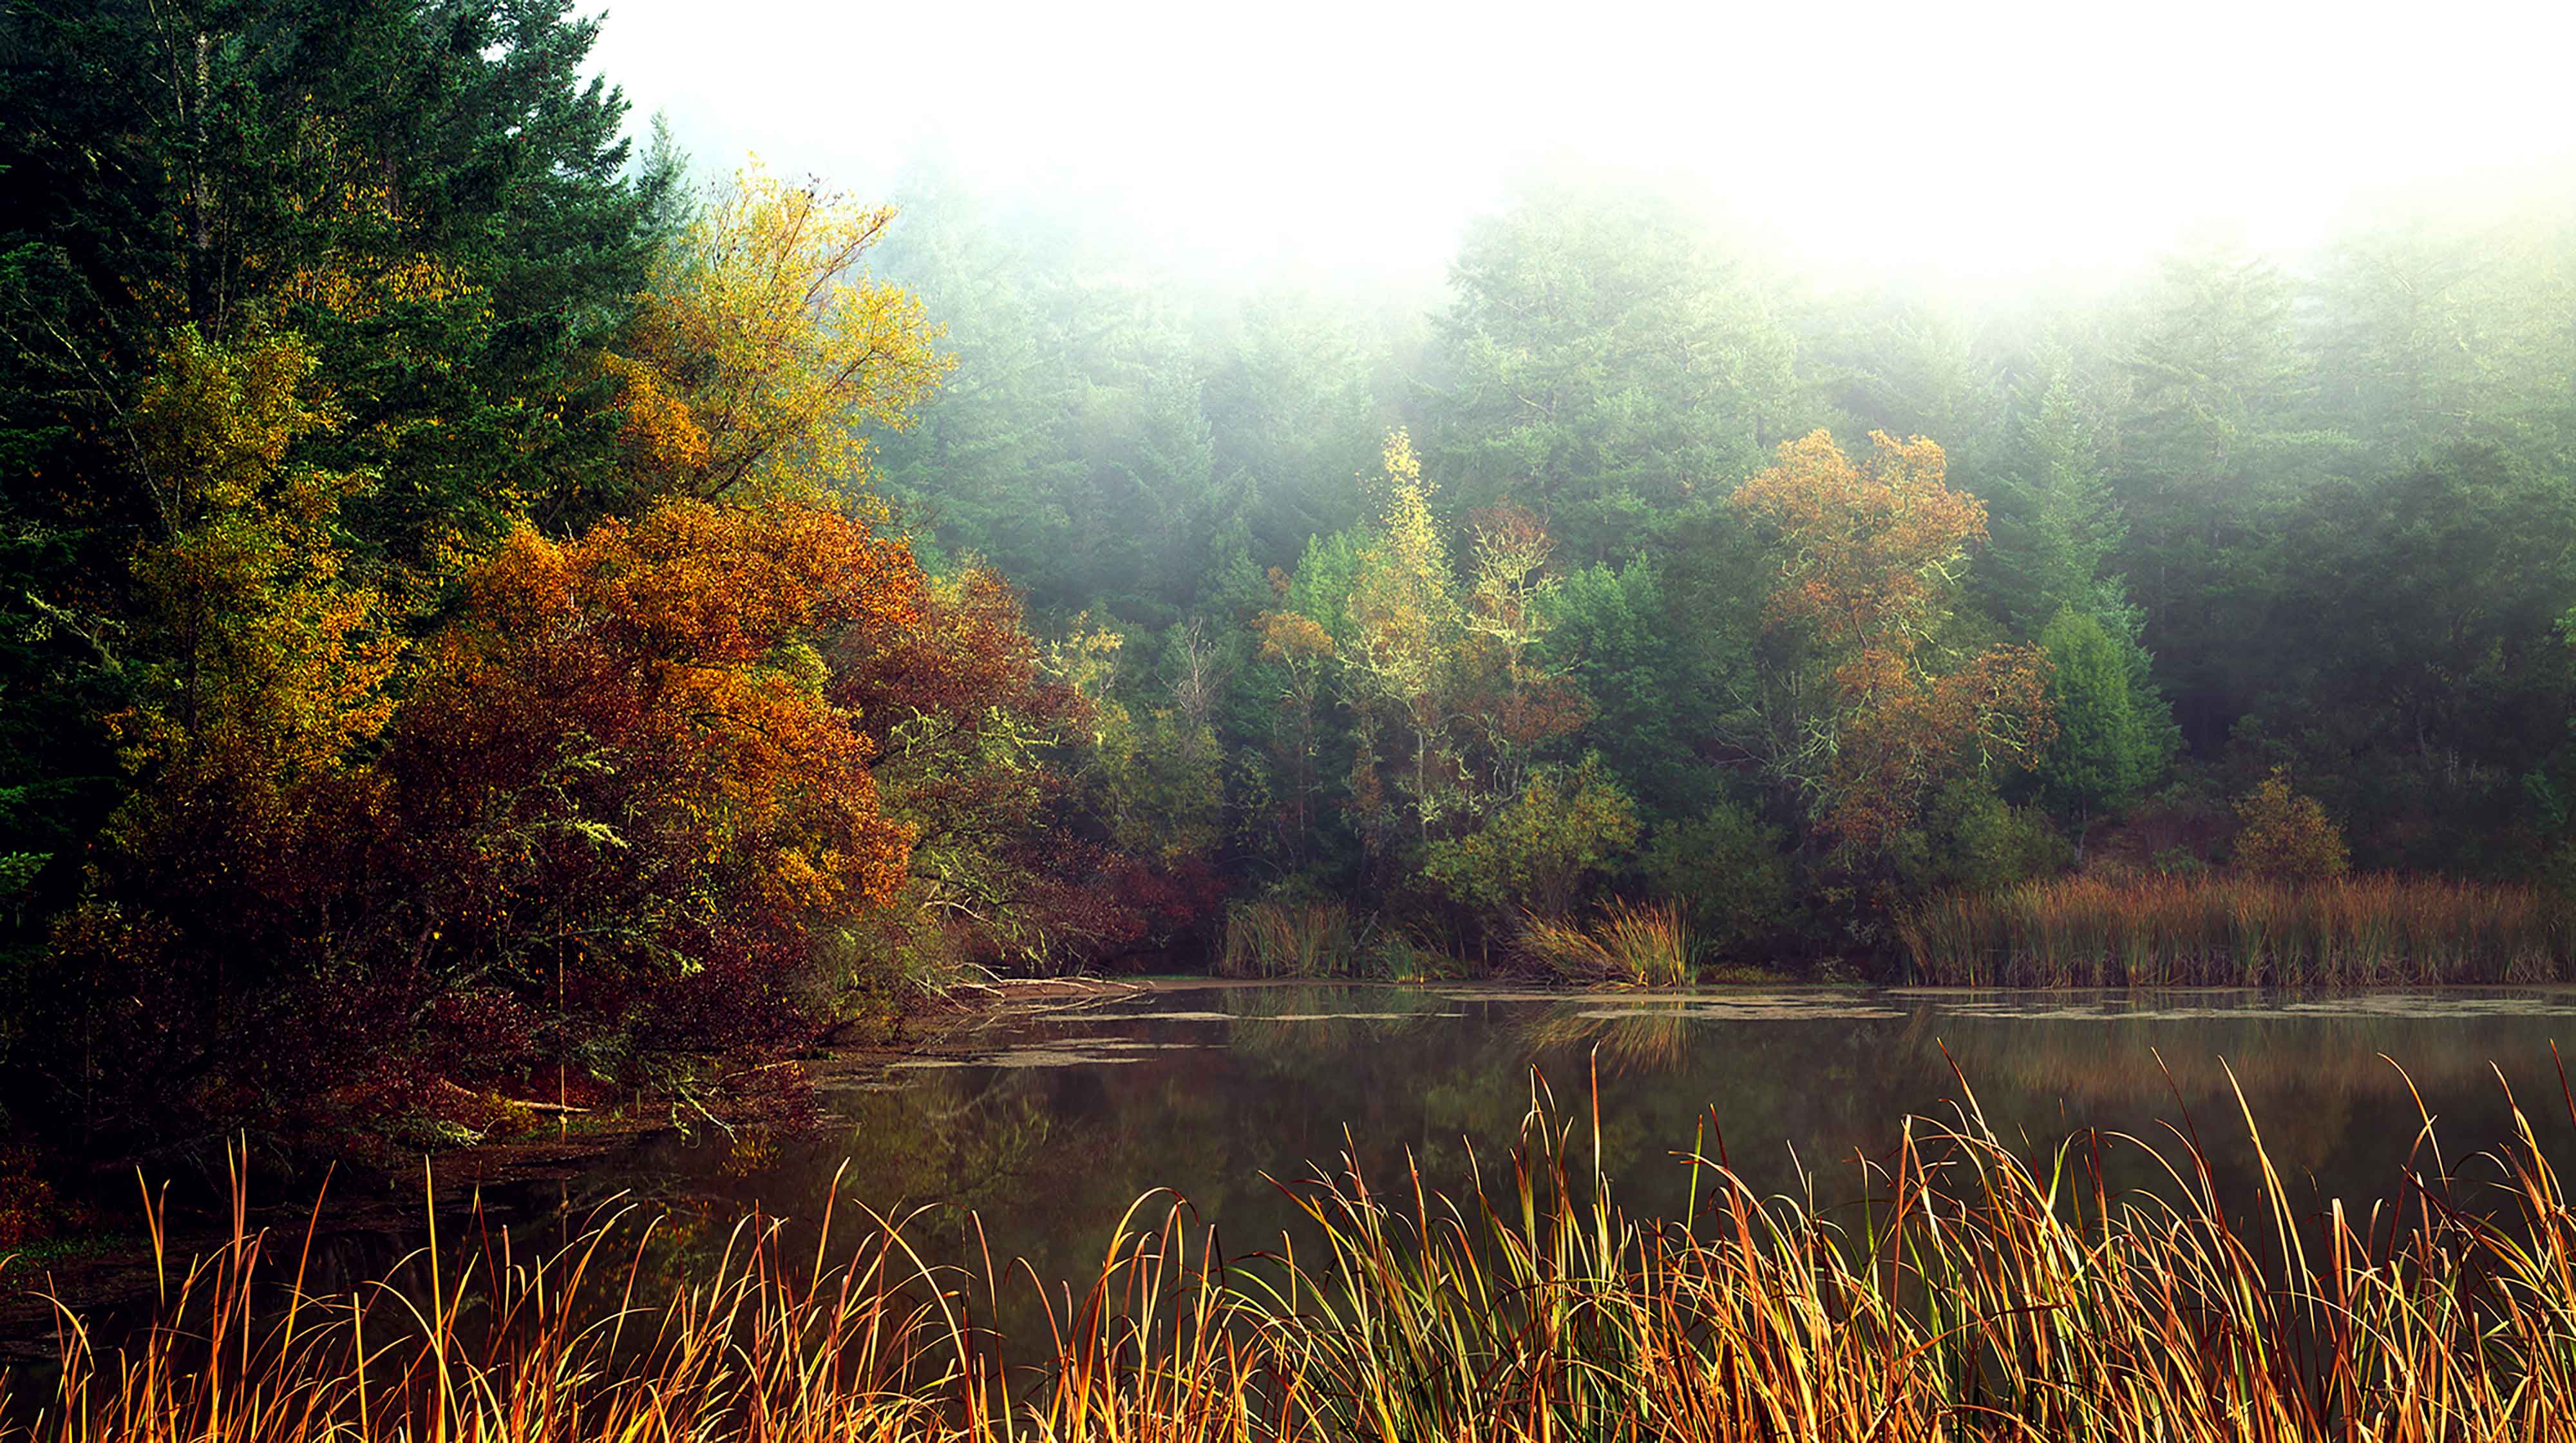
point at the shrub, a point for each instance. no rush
(1543, 848)
(1970, 837)
(2287, 835)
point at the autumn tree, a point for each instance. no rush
(762, 350)
(1297, 650)
(621, 760)
(1405, 620)
(1868, 558)
(434, 207)
(259, 667)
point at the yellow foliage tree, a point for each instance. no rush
(763, 348)
(272, 656)
(1405, 626)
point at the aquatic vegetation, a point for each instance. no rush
(1644, 946)
(1981, 1293)
(2238, 929)
(1273, 938)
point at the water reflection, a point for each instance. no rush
(1050, 1125)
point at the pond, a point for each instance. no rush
(1027, 1133)
(1048, 1122)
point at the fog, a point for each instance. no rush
(1990, 143)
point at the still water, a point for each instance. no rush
(1047, 1123)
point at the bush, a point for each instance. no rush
(1543, 848)
(1972, 838)
(2286, 835)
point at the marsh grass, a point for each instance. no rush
(1986, 1292)
(1272, 938)
(1639, 945)
(2238, 930)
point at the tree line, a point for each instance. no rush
(488, 613)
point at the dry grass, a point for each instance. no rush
(1641, 946)
(2170, 931)
(1986, 1294)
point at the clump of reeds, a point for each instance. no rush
(1645, 945)
(1275, 938)
(2238, 929)
(1983, 1293)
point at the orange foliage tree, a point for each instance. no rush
(1869, 557)
(620, 766)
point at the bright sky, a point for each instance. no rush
(1974, 140)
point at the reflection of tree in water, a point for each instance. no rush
(1288, 1080)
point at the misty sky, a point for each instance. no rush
(1991, 140)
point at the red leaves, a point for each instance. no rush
(963, 648)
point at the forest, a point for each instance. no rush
(495, 610)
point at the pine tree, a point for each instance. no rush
(2102, 754)
(2055, 521)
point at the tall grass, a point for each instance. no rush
(1987, 1293)
(2227, 929)
(1272, 938)
(1643, 946)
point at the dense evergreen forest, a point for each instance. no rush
(492, 610)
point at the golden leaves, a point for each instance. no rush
(276, 659)
(763, 348)
(1869, 556)
(681, 645)
(1867, 552)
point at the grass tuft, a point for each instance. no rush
(1272, 938)
(1641, 946)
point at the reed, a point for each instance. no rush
(1272, 938)
(2233, 929)
(1983, 1293)
(1640, 946)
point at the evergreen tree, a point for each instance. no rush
(2217, 445)
(2055, 523)
(1605, 364)
(2102, 755)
